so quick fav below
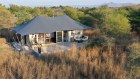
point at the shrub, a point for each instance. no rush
(103, 41)
(134, 51)
(134, 59)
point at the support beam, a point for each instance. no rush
(62, 36)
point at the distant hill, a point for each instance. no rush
(81, 6)
(117, 4)
(135, 6)
(111, 4)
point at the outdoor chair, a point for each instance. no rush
(80, 38)
(84, 38)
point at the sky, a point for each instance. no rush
(33, 3)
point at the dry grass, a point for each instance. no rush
(89, 32)
(2, 40)
(77, 64)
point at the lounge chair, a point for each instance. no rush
(84, 38)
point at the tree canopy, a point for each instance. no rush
(109, 20)
(7, 19)
(135, 20)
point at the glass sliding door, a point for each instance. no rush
(65, 36)
(59, 36)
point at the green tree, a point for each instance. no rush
(22, 13)
(73, 12)
(7, 19)
(78, 15)
(23, 16)
(135, 20)
(113, 22)
(36, 11)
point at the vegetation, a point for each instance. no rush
(135, 19)
(77, 64)
(7, 19)
(113, 50)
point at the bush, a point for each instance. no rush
(134, 51)
(103, 41)
(134, 59)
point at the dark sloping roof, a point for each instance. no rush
(42, 24)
